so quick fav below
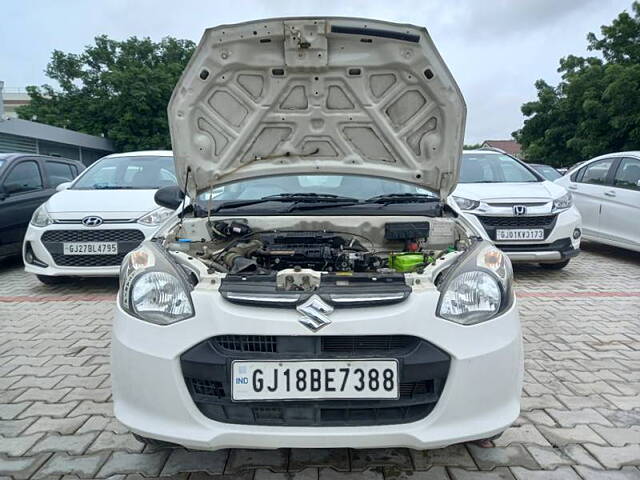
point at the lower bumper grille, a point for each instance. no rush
(127, 239)
(423, 370)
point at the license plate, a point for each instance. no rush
(520, 234)
(314, 380)
(90, 248)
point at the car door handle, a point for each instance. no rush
(572, 187)
(610, 193)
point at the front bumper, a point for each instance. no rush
(481, 396)
(558, 245)
(47, 254)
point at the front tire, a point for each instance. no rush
(555, 266)
(49, 280)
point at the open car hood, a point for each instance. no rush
(317, 95)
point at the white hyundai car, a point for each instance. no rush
(88, 227)
(530, 218)
(319, 297)
(606, 190)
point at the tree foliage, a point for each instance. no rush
(119, 89)
(595, 108)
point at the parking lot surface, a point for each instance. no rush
(580, 408)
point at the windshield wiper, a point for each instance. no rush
(287, 197)
(98, 186)
(402, 198)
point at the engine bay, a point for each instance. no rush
(374, 245)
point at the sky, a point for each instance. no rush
(496, 49)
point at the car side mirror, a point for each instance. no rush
(63, 186)
(169, 197)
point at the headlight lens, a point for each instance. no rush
(161, 298)
(472, 297)
(153, 288)
(478, 288)
(466, 204)
(41, 217)
(155, 217)
(563, 202)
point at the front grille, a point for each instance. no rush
(331, 344)
(517, 222)
(128, 239)
(423, 372)
(491, 224)
(127, 235)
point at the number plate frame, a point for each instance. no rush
(66, 245)
(310, 363)
(539, 234)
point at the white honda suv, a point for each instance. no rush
(316, 292)
(530, 218)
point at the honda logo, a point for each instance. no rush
(315, 313)
(92, 221)
(519, 210)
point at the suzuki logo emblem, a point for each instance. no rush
(92, 221)
(519, 210)
(315, 313)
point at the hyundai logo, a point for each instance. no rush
(519, 210)
(92, 221)
(314, 313)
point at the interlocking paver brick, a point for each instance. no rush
(528, 434)
(148, 464)
(570, 418)
(625, 473)
(84, 466)
(565, 436)
(39, 394)
(434, 473)
(489, 458)
(16, 446)
(243, 459)
(40, 409)
(376, 457)
(264, 474)
(500, 473)
(619, 436)
(616, 457)
(561, 473)
(181, 460)
(455, 456)
(301, 458)
(114, 441)
(9, 411)
(21, 468)
(331, 474)
(75, 444)
(64, 426)
(11, 428)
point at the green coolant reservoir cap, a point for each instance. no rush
(406, 262)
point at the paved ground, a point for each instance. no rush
(580, 410)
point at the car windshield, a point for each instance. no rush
(547, 172)
(493, 168)
(131, 173)
(351, 187)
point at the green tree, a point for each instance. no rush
(595, 108)
(119, 89)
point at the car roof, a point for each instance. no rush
(143, 153)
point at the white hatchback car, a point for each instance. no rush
(606, 190)
(88, 227)
(530, 218)
(320, 298)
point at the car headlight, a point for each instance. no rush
(466, 204)
(153, 288)
(156, 217)
(41, 217)
(477, 288)
(563, 202)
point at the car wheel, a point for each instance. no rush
(555, 266)
(49, 280)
